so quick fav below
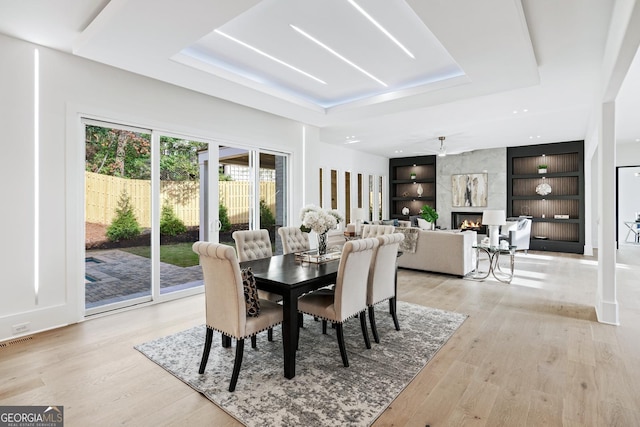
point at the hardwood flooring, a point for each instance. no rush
(530, 354)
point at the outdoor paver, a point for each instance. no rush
(114, 275)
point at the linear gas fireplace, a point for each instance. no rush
(468, 221)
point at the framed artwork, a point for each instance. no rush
(469, 189)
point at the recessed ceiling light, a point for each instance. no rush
(515, 111)
(381, 28)
(266, 55)
(637, 139)
(525, 110)
(337, 55)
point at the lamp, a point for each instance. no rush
(493, 219)
(359, 215)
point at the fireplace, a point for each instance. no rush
(468, 221)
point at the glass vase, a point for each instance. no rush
(322, 244)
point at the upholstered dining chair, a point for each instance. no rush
(254, 244)
(373, 230)
(382, 275)
(349, 298)
(226, 311)
(293, 239)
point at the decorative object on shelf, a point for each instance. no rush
(405, 211)
(525, 210)
(469, 189)
(542, 168)
(405, 194)
(321, 221)
(494, 218)
(540, 237)
(430, 215)
(561, 216)
(543, 189)
(419, 190)
(413, 175)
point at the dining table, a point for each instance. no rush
(291, 276)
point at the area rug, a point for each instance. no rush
(323, 392)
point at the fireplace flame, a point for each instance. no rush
(466, 224)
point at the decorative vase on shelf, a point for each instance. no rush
(419, 190)
(322, 243)
(413, 175)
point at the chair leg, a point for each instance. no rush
(374, 329)
(365, 333)
(394, 315)
(207, 347)
(236, 364)
(343, 349)
(253, 341)
(324, 327)
(270, 334)
(226, 341)
(300, 320)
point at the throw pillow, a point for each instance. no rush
(387, 222)
(414, 220)
(251, 299)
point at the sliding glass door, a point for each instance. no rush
(183, 211)
(150, 195)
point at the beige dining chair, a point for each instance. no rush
(350, 296)
(374, 230)
(226, 311)
(255, 244)
(381, 285)
(293, 239)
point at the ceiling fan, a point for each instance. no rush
(442, 151)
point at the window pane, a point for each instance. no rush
(117, 216)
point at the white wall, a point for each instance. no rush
(342, 159)
(69, 88)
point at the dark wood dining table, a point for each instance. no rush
(290, 277)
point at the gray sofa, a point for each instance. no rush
(440, 251)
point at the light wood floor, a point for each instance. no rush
(530, 354)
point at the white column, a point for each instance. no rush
(606, 301)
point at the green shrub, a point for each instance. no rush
(170, 224)
(125, 225)
(267, 220)
(223, 216)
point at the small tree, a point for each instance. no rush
(223, 216)
(267, 220)
(125, 225)
(170, 224)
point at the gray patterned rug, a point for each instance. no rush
(323, 392)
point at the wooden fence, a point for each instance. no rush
(102, 193)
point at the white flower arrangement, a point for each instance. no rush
(318, 219)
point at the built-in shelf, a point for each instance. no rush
(565, 176)
(404, 189)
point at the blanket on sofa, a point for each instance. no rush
(410, 238)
